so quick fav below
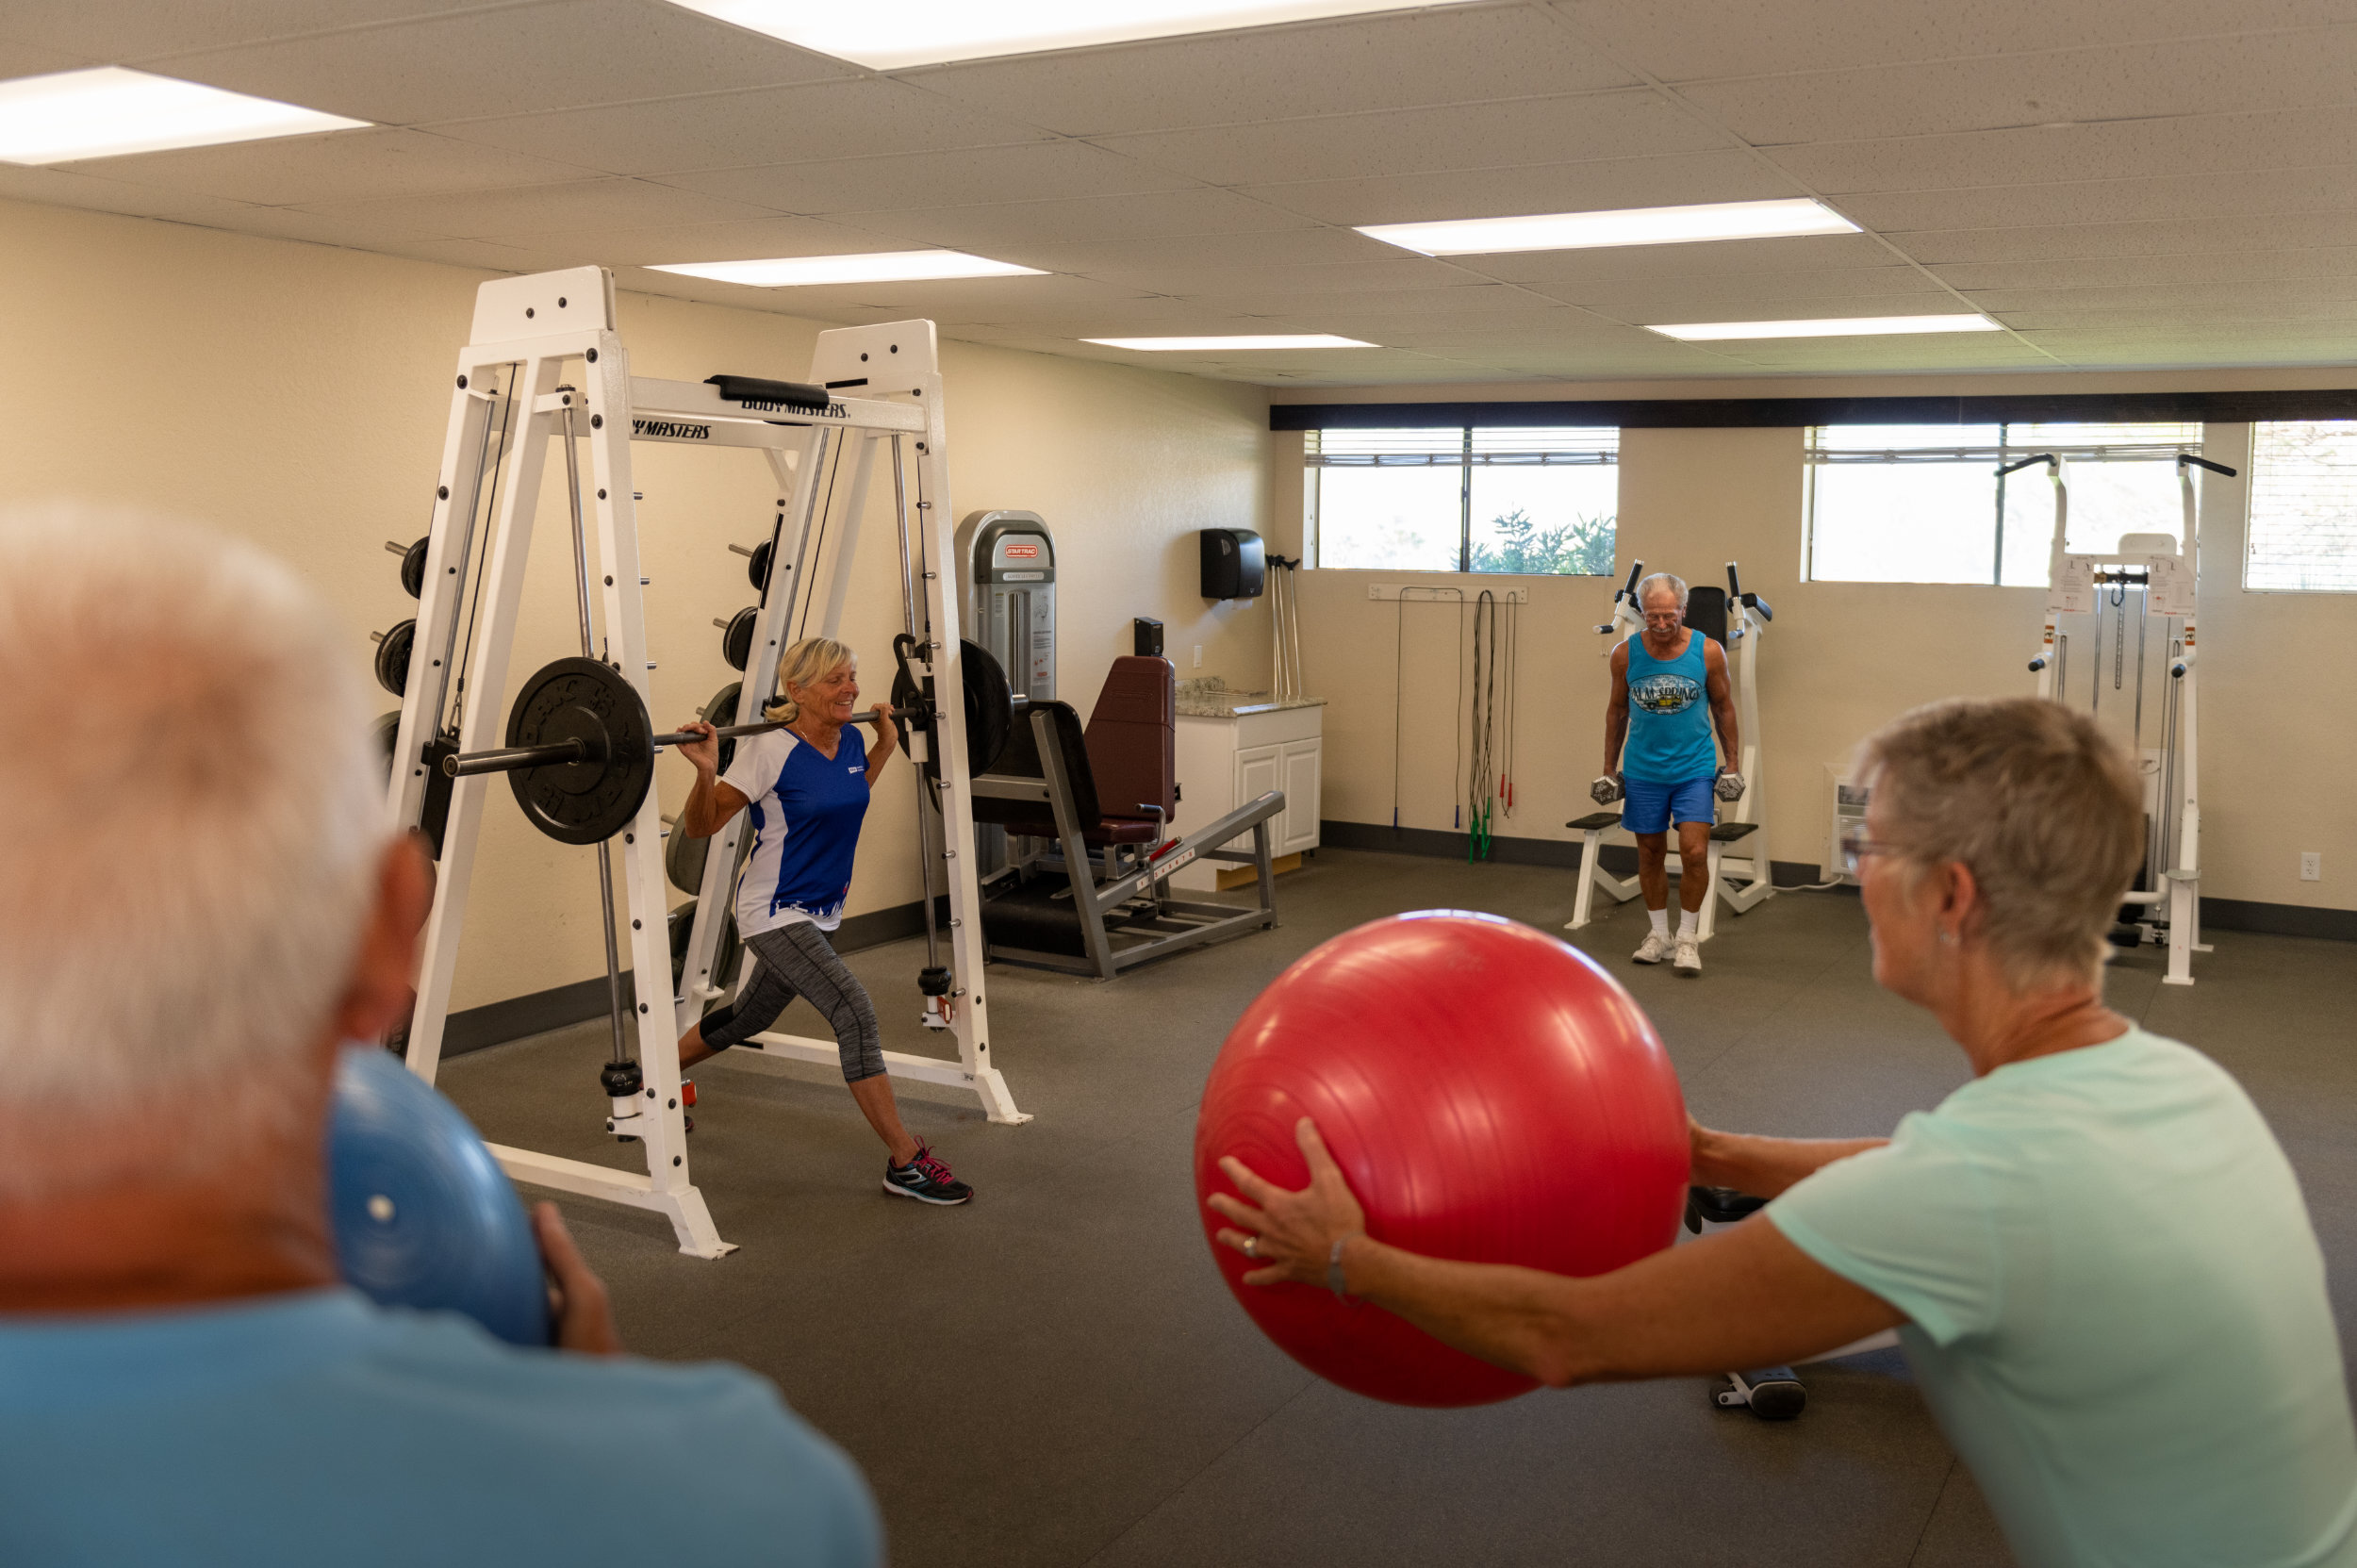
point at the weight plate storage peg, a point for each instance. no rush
(737, 638)
(392, 656)
(588, 800)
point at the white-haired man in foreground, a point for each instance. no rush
(199, 902)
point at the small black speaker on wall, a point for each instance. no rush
(1147, 633)
(1234, 563)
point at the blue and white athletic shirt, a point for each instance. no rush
(806, 811)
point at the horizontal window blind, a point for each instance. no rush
(2303, 507)
(1481, 446)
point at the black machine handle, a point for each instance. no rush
(1628, 589)
(1749, 600)
(2005, 469)
(2185, 457)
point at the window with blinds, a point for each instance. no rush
(2303, 534)
(1479, 498)
(1925, 504)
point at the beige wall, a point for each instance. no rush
(297, 394)
(1839, 659)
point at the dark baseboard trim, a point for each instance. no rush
(496, 1023)
(2336, 925)
(1618, 859)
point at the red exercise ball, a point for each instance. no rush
(1494, 1096)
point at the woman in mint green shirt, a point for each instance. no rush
(2095, 1252)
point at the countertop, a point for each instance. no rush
(1210, 698)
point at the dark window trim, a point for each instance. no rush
(1779, 413)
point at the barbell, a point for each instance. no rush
(580, 749)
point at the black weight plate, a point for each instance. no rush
(737, 643)
(989, 707)
(720, 712)
(387, 731)
(393, 657)
(413, 569)
(726, 958)
(905, 695)
(591, 801)
(759, 568)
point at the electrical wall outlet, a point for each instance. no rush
(2311, 866)
(1198, 656)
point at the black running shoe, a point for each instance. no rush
(926, 1180)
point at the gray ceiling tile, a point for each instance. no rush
(1673, 180)
(2128, 271)
(1027, 172)
(1627, 123)
(1307, 247)
(576, 205)
(339, 166)
(1839, 291)
(994, 228)
(2276, 320)
(733, 130)
(1348, 277)
(2247, 72)
(2246, 297)
(73, 188)
(2065, 242)
(317, 228)
(478, 254)
(135, 30)
(1803, 254)
(743, 239)
(2090, 201)
(1686, 40)
(1275, 302)
(2124, 149)
(1459, 55)
(508, 61)
(33, 59)
(1000, 300)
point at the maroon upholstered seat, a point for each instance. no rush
(1131, 754)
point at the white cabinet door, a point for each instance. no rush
(1257, 772)
(1299, 763)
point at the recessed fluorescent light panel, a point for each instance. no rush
(108, 112)
(889, 35)
(1635, 225)
(1223, 345)
(1839, 326)
(788, 272)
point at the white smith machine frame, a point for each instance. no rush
(545, 363)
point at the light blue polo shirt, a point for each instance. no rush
(316, 1427)
(2117, 1309)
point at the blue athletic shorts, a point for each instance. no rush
(1651, 807)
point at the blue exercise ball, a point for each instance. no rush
(424, 1216)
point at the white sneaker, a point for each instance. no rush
(1689, 957)
(1657, 948)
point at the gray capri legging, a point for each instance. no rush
(797, 960)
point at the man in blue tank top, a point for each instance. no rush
(1661, 682)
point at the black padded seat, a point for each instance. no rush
(1128, 755)
(1593, 820)
(1727, 833)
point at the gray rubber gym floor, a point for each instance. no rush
(1054, 1375)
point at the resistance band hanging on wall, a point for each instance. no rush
(1483, 779)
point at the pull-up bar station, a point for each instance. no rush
(2154, 576)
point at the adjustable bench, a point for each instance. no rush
(1093, 898)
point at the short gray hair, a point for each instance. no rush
(2046, 810)
(1670, 580)
(196, 818)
